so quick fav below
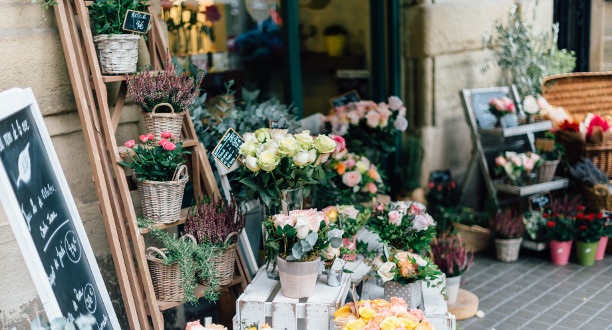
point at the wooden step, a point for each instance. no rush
(187, 143)
(168, 225)
(122, 77)
(200, 290)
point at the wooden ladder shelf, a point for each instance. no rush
(112, 184)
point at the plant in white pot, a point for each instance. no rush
(508, 229)
(298, 240)
(452, 257)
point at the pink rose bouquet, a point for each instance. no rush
(403, 225)
(380, 314)
(500, 107)
(513, 165)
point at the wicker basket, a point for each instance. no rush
(118, 53)
(224, 263)
(476, 238)
(507, 250)
(579, 94)
(161, 200)
(157, 123)
(546, 172)
(597, 197)
(166, 279)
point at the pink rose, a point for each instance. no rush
(510, 107)
(422, 222)
(417, 313)
(373, 118)
(162, 142)
(340, 143)
(371, 187)
(380, 208)
(351, 178)
(150, 136)
(395, 218)
(516, 160)
(500, 161)
(283, 220)
(130, 143)
(166, 135)
(383, 111)
(398, 305)
(353, 116)
(350, 211)
(401, 124)
(323, 158)
(144, 138)
(349, 163)
(395, 103)
(414, 209)
(529, 165)
(169, 146)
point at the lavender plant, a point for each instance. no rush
(451, 255)
(565, 205)
(507, 224)
(212, 221)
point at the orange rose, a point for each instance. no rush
(340, 168)
(405, 267)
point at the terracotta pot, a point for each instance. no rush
(298, 279)
(601, 248)
(560, 252)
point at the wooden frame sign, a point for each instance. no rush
(44, 217)
(136, 21)
(344, 99)
(227, 150)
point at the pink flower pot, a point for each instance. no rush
(560, 252)
(351, 246)
(601, 248)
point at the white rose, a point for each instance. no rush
(288, 146)
(361, 167)
(278, 134)
(248, 136)
(530, 105)
(420, 261)
(386, 271)
(262, 134)
(251, 163)
(268, 160)
(395, 103)
(249, 148)
(324, 144)
(422, 222)
(301, 158)
(302, 227)
(312, 155)
(304, 139)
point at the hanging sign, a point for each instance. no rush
(276, 124)
(44, 217)
(440, 177)
(227, 150)
(540, 201)
(344, 99)
(136, 21)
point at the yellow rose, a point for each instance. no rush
(366, 313)
(262, 135)
(343, 311)
(361, 167)
(407, 323)
(324, 144)
(304, 139)
(356, 325)
(289, 147)
(390, 323)
(268, 160)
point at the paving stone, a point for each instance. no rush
(535, 325)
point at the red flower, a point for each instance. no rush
(581, 208)
(590, 217)
(580, 216)
(573, 127)
(453, 184)
(550, 224)
(166, 135)
(599, 215)
(150, 136)
(431, 185)
(169, 146)
(162, 142)
(545, 215)
(212, 13)
(439, 188)
(130, 143)
(555, 215)
(583, 227)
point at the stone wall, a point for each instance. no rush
(607, 39)
(442, 50)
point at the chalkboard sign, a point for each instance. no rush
(344, 99)
(136, 21)
(440, 177)
(485, 119)
(227, 150)
(540, 201)
(44, 217)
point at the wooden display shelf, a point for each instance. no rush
(556, 184)
(539, 126)
(123, 150)
(168, 225)
(122, 77)
(200, 290)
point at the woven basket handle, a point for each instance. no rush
(227, 239)
(179, 172)
(156, 250)
(190, 237)
(601, 190)
(165, 104)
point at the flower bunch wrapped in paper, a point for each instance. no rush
(379, 314)
(513, 165)
(369, 127)
(277, 160)
(593, 129)
(403, 225)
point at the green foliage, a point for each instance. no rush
(350, 225)
(46, 4)
(107, 16)
(466, 216)
(559, 227)
(590, 226)
(528, 56)
(535, 225)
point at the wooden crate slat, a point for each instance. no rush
(181, 221)
(284, 316)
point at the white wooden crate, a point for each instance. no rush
(263, 302)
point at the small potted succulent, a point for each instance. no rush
(559, 230)
(452, 257)
(335, 39)
(590, 227)
(508, 229)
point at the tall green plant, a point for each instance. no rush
(528, 56)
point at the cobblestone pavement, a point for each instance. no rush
(535, 294)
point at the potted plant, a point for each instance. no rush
(472, 227)
(452, 257)
(517, 168)
(550, 159)
(380, 314)
(603, 242)
(589, 230)
(297, 240)
(349, 219)
(335, 39)
(334, 259)
(402, 274)
(501, 107)
(508, 229)
(117, 49)
(165, 97)
(559, 230)
(403, 225)
(160, 175)
(218, 223)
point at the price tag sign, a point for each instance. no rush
(136, 21)
(344, 99)
(227, 150)
(440, 177)
(540, 201)
(275, 124)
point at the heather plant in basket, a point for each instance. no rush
(179, 89)
(212, 221)
(451, 255)
(507, 224)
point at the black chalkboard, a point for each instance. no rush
(440, 177)
(227, 150)
(136, 21)
(344, 99)
(45, 221)
(485, 119)
(540, 201)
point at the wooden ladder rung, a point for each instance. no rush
(112, 78)
(168, 225)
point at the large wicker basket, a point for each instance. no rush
(161, 200)
(476, 238)
(597, 197)
(118, 53)
(157, 123)
(166, 279)
(579, 94)
(224, 262)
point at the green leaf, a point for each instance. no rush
(312, 238)
(336, 242)
(249, 183)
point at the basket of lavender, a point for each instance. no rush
(595, 185)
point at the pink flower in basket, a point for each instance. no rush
(166, 135)
(130, 143)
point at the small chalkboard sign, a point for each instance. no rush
(136, 21)
(227, 150)
(545, 145)
(440, 177)
(276, 124)
(485, 119)
(540, 201)
(344, 99)
(44, 217)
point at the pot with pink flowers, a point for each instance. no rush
(508, 229)
(452, 257)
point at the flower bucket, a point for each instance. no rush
(118, 53)
(166, 279)
(508, 249)
(335, 44)
(601, 248)
(224, 262)
(161, 200)
(586, 253)
(412, 293)
(157, 123)
(351, 246)
(334, 276)
(298, 279)
(560, 252)
(452, 288)
(546, 172)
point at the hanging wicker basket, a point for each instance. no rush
(546, 172)
(166, 279)
(157, 123)
(118, 53)
(597, 197)
(224, 262)
(161, 200)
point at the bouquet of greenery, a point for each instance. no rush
(559, 227)
(405, 268)
(106, 16)
(535, 224)
(403, 225)
(155, 161)
(348, 218)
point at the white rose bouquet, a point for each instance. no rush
(276, 160)
(405, 268)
